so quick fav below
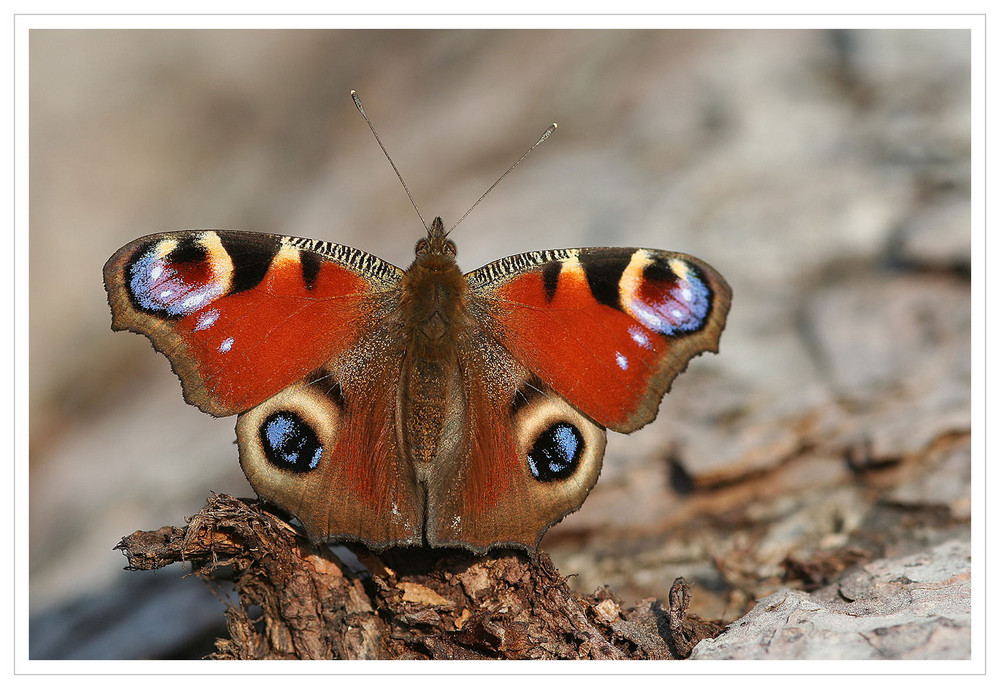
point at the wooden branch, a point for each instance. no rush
(299, 600)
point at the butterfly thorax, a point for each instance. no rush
(434, 307)
(434, 295)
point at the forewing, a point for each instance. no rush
(242, 315)
(607, 328)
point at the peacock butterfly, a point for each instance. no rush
(426, 406)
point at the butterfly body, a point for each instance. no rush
(423, 407)
(433, 299)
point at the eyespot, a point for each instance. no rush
(173, 278)
(556, 452)
(290, 443)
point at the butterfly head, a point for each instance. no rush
(436, 242)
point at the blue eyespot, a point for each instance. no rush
(290, 443)
(556, 452)
(674, 299)
(175, 284)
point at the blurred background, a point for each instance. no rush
(824, 173)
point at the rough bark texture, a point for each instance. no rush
(300, 600)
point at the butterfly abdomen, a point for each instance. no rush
(433, 305)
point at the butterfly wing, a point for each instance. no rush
(299, 337)
(562, 344)
(325, 449)
(242, 315)
(607, 328)
(524, 459)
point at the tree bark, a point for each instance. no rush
(300, 600)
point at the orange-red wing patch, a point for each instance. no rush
(243, 315)
(608, 329)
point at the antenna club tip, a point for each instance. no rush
(554, 125)
(357, 103)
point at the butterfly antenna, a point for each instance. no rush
(551, 128)
(361, 109)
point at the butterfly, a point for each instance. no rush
(418, 407)
(426, 406)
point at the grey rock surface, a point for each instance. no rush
(908, 608)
